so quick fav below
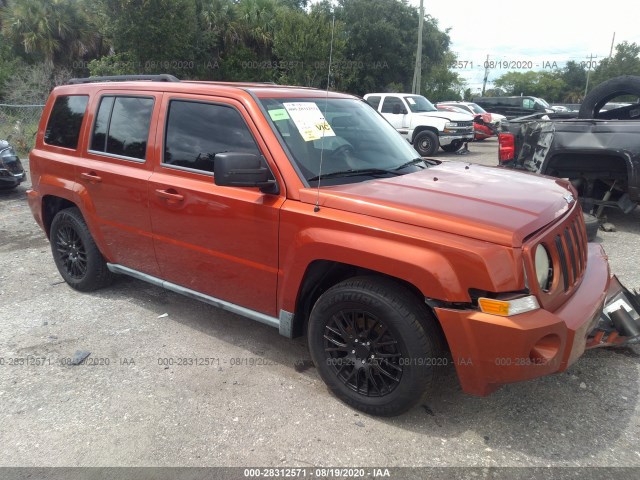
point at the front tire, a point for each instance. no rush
(375, 345)
(426, 143)
(76, 255)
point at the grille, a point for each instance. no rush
(566, 242)
(571, 248)
(465, 124)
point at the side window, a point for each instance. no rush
(390, 102)
(528, 104)
(122, 126)
(63, 127)
(374, 101)
(196, 132)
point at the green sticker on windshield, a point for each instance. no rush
(278, 114)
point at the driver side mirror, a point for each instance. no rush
(234, 169)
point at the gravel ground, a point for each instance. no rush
(258, 402)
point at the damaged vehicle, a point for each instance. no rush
(11, 172)
(305, 210)
(598, 151)
(482, 126)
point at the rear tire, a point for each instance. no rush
(607, 90)
(426, 143)
(376, 346)
(76, 255)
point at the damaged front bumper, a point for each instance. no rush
(619, 323)
(489, 351)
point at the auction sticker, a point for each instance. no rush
(309, 120)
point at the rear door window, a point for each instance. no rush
(65, 121)
(122, 126)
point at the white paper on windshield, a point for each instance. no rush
(309, 120)
(411, 101)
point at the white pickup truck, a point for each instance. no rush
(424, 126)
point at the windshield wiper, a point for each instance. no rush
(354, 173)
(414, 161)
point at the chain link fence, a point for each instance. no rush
(19, 125)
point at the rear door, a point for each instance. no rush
(114, 170)
(220, 241)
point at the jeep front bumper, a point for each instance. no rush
(489, 351)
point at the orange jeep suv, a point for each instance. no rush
(305, 210)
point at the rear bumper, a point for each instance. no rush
(490, 351)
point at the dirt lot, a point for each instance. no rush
(258, 402)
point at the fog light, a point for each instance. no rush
(545, 349)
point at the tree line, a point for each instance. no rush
(46, 42)
(567, 85)
(282, 41)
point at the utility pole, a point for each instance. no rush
(417, 73)
(586, 87)
(486, 75)
(612, 41)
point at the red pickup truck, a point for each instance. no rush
(307, 211)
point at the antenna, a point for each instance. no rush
(324, 114)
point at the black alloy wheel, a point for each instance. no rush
(376, 345)
(75, 252)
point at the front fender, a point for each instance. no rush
(430, 122)
(427, 270)
(443, 266)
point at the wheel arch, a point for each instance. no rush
(321, 275)
(421, 128)
(51, 205)
(604, 165)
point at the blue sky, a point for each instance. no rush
(537, 33)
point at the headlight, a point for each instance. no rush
(450, 125)
(544, 271)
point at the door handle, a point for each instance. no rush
(91, 176)
(170, 194)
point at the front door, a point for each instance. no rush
(220, 241)
(395, 111)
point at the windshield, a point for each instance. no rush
(542, 102)
(418, 103)
(477, 108)
(358, 143)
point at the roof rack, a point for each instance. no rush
(124, 78)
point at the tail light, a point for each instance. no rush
(507, 147)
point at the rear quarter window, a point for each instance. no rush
(65, 121)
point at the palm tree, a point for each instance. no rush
(48, 29)
(257, 21)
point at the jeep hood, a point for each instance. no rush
(486, 203)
